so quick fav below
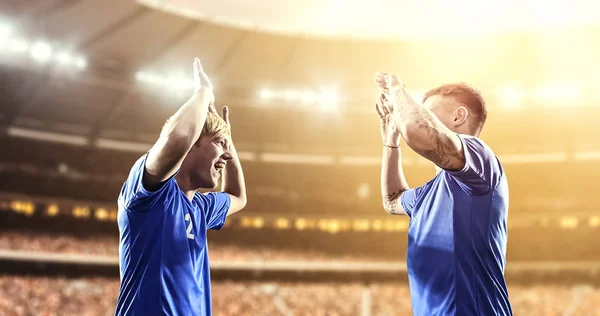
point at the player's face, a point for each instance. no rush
(208, 160)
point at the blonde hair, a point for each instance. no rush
(215, 127)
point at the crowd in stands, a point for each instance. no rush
(24, 296)
(59, 243)
(54, 296)
(525, 245)
(35, 295)
(108, 246)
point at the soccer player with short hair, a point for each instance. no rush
(458, 220)
(162, 218)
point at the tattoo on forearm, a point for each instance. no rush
(443, 149)
(390, 201)
(443, 152)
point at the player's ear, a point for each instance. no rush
(461, 115)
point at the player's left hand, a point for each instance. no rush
(387, 81)
(226, 117)
(393, 89)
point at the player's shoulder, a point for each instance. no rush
(483, 154)
(470, 139)
(204, 197)
(476, 144)
(139, 164)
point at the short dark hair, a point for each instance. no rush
(466, 95)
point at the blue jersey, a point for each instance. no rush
(163, 253)
(457, 238)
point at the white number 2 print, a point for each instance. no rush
(189, 228)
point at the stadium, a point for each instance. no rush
(86, 85)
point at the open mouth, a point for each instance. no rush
(219, 166)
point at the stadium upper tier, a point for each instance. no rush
(331, 183)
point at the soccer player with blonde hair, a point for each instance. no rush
(162, 218)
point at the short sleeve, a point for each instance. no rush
(482, 171)
(410, 198)
(134, 196)
(215, 206)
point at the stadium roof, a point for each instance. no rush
(386, 19)
(130, 60)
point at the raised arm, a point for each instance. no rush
(179, 133)
(421, 129)
(393, 183)
(233, 182)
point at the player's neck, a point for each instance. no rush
(190, 194)
(185, 185)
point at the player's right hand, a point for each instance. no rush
(202, 85)
(390, 134)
